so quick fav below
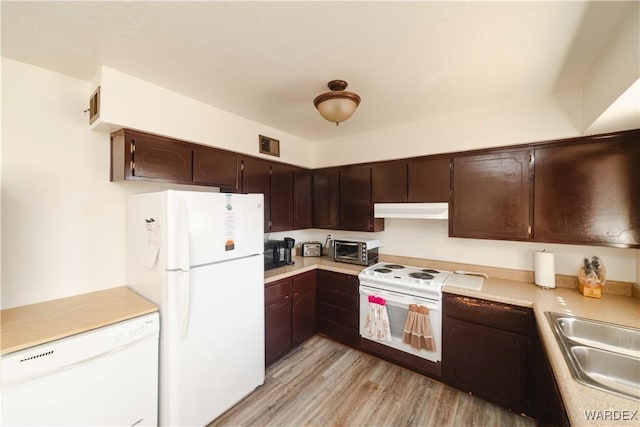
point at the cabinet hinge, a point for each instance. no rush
(270, 224)
(132, 147)
(270, 171)
(241, 166)
(531, 158)
(450, 164)
(529, 230)
(132, 165)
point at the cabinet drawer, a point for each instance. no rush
(338, 282)
(337, 314)
(339, 332)
(345, 301)
(489, 313)
(277, 291)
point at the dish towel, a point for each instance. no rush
(417, 329)
(376, 325)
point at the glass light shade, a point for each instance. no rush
(337, 109)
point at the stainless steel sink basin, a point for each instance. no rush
(613, 371)
(606, 336)
(601, 355)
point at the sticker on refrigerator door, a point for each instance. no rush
(229, 225)
(152, 248)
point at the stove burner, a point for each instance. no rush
(420, 275)
(431, 271)
(382, 270)
(394, 266)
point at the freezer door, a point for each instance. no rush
(220, 360)
(220, 227)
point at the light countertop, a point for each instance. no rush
(578, 398)
(35, 324)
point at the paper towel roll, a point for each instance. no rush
(545, 269)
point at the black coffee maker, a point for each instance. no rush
(289, 243)
(278, 253)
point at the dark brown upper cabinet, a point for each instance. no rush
(302, 199)
(589, 193)
(256, 179)
(356, 205)
(429, 180)
(281, 197)
(326, 197)
(389, 182)
(492, 196)
(140, 156)
(215, 167)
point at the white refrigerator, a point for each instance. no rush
(198, 256)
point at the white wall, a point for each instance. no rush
(127, 101)
(63, 222)
(429, 239)
(616, 69)
(528, 121)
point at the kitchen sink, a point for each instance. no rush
(606, 336)
(599, 354)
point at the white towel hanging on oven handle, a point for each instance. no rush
(376, 324)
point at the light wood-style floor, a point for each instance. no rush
(323, 383)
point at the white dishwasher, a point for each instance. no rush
(107, 376)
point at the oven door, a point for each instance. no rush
(398, 309)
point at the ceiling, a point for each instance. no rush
(266, 61)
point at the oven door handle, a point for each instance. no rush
(399, 298)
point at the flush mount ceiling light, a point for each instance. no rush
(337, 105)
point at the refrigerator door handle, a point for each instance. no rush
(184, 281)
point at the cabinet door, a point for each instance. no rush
(429, 180)
(548, 407)
(326, 193)
(487, 362)
(158, 158)
(304, 307)
(492, 196)
(215, 167)
(337, 307)
(256, 179)
(389, 182)
(281, 197)
(356, 207)
(589, 193)
(302, 199)
(277, 320)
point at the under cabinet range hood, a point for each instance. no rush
(411, 210)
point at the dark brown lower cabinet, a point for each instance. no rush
(303, 322)
(289, 314)
(486, 350)
(277, 320)
(548, 407)
(337, 305)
